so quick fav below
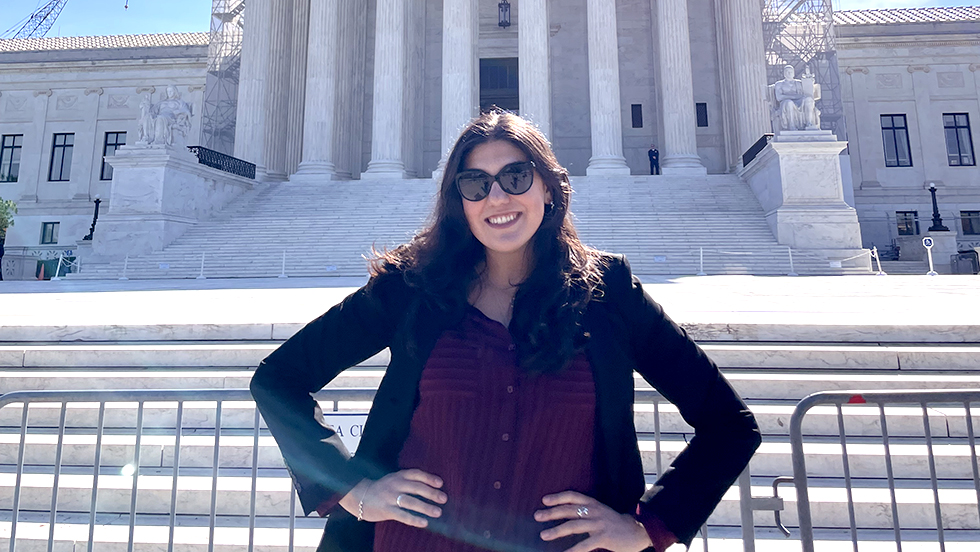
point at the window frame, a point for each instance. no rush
(894, 130)
(956, 128)
(636, 114)
(910, 220)
(974, 223)
(9, 167)
(66, 151)
(701, 112)
(106, 167)
(49, 233)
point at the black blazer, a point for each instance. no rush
(626, 331)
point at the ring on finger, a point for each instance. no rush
(398, 501)
(582, 512)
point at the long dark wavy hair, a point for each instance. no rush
(444, 260)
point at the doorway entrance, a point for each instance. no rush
(498, 84)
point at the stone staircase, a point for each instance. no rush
(771, 371)
(665, 225)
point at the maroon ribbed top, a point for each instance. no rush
(499, 439)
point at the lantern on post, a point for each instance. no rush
(504, 12)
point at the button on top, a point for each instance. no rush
(505, 437)
(510, 388)
(511, 347)
(496, 485)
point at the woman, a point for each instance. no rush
(504, 420)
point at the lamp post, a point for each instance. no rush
(503, 9)
(937, 221)
(95, 219)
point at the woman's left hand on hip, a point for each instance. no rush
(606, 528)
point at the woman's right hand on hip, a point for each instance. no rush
(397, 497)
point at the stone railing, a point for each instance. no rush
(223, 162)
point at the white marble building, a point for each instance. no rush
(580, 68)
(589, 72)
(905, 74)
(85, 91)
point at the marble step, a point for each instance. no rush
(763, 385)
(865, 453)
(827, 494)
(726, 355)
(773, 417)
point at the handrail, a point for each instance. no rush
(223, 162)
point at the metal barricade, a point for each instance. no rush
(945, 455)
(85, 466)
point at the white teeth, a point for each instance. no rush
(502, 219)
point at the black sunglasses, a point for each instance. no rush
(515, 179)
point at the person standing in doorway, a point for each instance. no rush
(654, 155)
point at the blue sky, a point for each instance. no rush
(105, 17)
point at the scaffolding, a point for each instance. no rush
(224, 67)
(801, 33)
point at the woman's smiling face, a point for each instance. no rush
(504, 223)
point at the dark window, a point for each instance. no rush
(10, 157)
(971, 222)
(112, 141)
(637, 110)
(499, 84)
(61, 148)
(908, 223)
(895, 137)
(702, 111)
(959, 143)
(49, 233)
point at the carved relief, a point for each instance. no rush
(953, 79)
(43, 93)
(195, 88)
(118, 101)
(923, 68)
(974, 67)
(67, 101)
(852, 70)
(888, 81)
(15, 104)
(90, 91)
(150, 89)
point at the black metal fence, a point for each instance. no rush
(756, 149)
(222, 162)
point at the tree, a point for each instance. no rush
(7, 211)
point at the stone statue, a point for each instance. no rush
(794, 101)
(145, 127)
(160, 123)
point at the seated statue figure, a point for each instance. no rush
(794, 101)
(159, 123)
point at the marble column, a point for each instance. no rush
(680, 150)
(604, 102)
(534, 56)
(748, 57)
(321, 92)
(389, 91)
(349, 120)
(252, 84)
(297, 85)
(459, 72)
(277, 91)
